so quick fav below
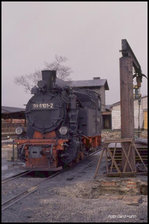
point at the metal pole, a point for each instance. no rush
(139, 103)
(13, 152)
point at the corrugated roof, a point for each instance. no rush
(89, 83)
(6, 110)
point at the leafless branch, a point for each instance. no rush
(30, 80)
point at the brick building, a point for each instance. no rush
(11, 118)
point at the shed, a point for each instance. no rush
(145, 119)
(12, 112)
(11, 118)
(142, 114)
(106, 115)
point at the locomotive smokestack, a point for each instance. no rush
(49, 76)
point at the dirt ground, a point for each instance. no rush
(74, 196)
(109, 134)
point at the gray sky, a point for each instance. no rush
(87, 33)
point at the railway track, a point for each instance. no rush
(11, 201)
(8, 179)
(25, 193)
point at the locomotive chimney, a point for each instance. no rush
(49, 76)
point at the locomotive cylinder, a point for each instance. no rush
(49, 76)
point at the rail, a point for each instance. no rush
(34, 188)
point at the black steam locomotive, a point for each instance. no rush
(63, 124)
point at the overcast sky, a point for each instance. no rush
(89, 34)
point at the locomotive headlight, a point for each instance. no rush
(19, 130)
(63, 130)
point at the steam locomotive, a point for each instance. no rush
(63, 124)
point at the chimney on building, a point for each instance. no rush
(96, 78)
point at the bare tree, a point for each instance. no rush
(30, 80)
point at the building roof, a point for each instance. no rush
(117, 103)
(89, 83)
(108, 107)
(12, 112)
(7, 110)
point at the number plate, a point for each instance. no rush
(38, 106)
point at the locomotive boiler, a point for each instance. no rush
(63, 124)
